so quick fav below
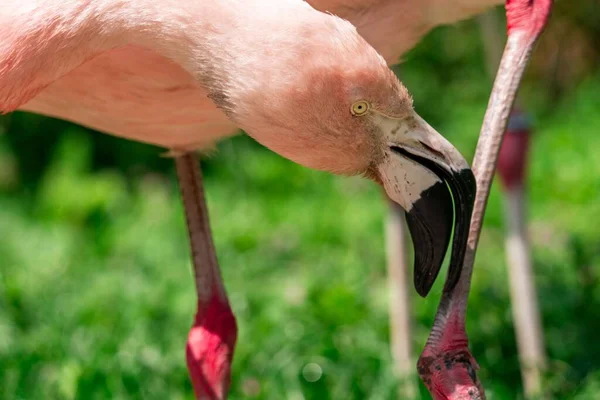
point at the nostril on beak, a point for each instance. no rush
(432, 150)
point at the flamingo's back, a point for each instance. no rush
(127, 91)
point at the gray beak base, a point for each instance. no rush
(430, 223)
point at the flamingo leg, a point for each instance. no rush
(530, 339)
(399, 300)
(212, 338)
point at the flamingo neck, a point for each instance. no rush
(448, 333)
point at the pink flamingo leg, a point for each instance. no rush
(446, 366)
(211, 340)
(528, 325)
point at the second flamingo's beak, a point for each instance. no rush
(430, 179)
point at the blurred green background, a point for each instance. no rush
(96, 295)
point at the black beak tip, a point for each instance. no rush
(430, 224)
(466, 186)
(423, 284)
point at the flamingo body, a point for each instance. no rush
(183, 75)
(139, 94)
(136, 94)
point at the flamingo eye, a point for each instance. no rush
(360, 108)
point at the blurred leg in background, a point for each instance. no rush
(212, 338)
(399, 300)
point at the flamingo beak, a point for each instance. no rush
(430, 179)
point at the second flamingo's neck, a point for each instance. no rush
(448, 334)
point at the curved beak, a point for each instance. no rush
(431, 180)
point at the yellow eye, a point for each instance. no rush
(360, 108)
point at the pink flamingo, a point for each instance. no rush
(182, 75)
(154, 72)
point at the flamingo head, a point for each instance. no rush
(344, 111)
(451, 376)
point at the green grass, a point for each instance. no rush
(96, 295)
